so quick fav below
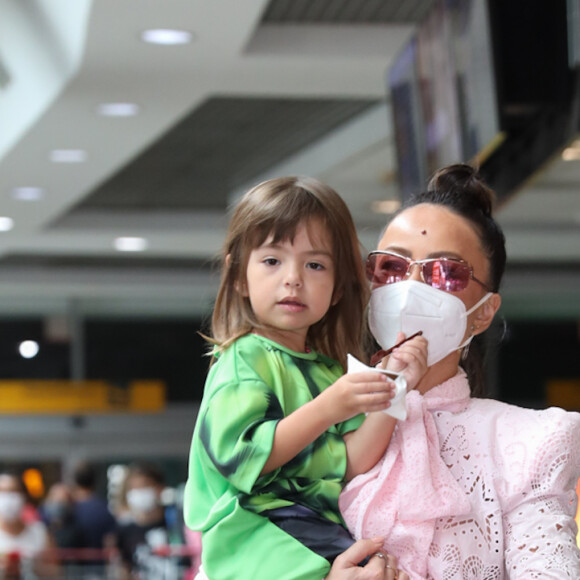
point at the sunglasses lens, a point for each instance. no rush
(385, 269)
(447, 275)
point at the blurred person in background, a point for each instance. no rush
(144, 538)
(91, 512)
(193, 542)
(58, 514)
(24, 546)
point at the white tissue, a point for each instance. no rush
(398, 408)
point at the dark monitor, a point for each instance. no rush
(443, 92)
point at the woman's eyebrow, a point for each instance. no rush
(444, 254)
(397, 250)
(438, 254)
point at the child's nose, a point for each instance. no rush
(293, 277)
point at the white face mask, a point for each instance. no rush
(410, 306)
(142, 500)
(11, 504)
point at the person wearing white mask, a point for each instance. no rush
(469, 488)
(148, 529)
(22, 545)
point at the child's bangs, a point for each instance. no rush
(285, 218)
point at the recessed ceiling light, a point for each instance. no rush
(386, 206)
(118, 109)
(28, 348)
(6, 224)
(28, 193)
(68, 155)
(130, 244)
(167, 36)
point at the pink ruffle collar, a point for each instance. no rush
(411, 484)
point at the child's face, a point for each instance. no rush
(290, 284)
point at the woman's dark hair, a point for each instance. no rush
(460, 189)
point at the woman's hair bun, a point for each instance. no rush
(463, 182)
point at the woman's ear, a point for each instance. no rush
(486, 313)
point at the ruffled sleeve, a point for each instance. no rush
(540, 531)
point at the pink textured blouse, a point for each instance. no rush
(474, 489)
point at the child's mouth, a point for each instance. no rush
(291, 303)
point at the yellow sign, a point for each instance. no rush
(564, 393)
(79, 397)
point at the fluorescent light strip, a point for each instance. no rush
(118, 109)
(130, 244)
(68, 156)
(166, 36)
(27, 193)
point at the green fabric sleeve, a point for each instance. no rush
(238, 431)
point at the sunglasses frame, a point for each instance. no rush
(411, 263)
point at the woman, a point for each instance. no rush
(23, 546)
(468, 488)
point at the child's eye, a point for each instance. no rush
(271, 261)
(316, 266)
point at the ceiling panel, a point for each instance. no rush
(220, 146)
(346, 11)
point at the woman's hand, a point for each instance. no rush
(379, 567)
(410, 359)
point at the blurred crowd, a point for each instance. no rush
(75, 533)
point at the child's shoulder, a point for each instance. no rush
(255, 355)
(247, 358)
(249, 347)
(254, 346)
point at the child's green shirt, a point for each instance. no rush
(254, 384)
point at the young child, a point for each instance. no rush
(280, 426)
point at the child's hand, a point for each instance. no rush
(355, 393)
(410, 359)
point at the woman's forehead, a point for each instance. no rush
(428, 227)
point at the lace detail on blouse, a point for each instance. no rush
(509, 511)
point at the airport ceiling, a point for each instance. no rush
(262, 88)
